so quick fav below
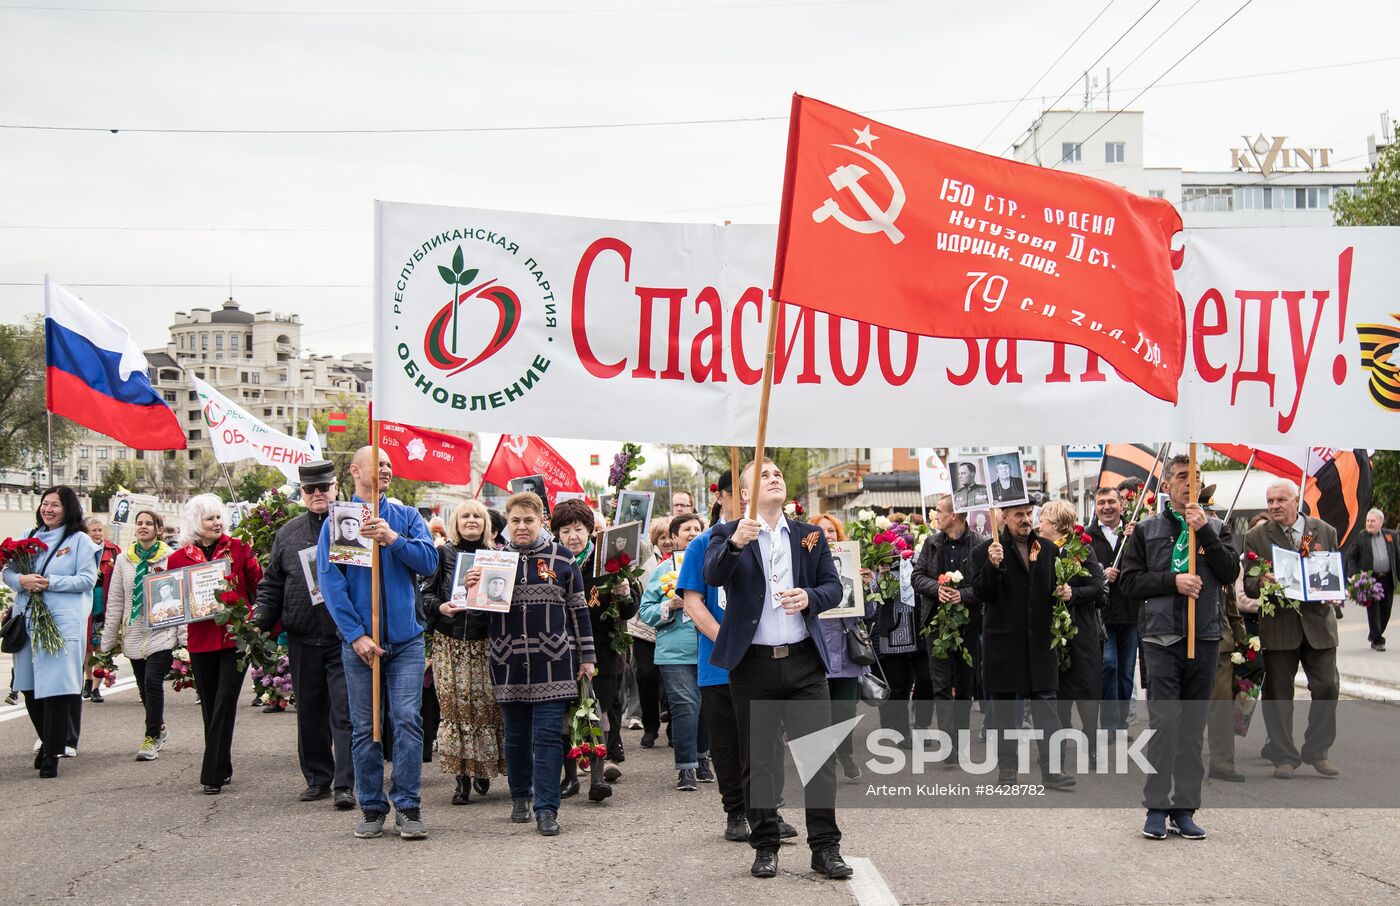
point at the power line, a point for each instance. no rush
(1019, 101)
(1153, 43)
(431, 12)
(1092, 65)
(1179, 61)
(652, 123)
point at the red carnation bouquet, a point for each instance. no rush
(20, 555)
(585, 728)
(1074, 550)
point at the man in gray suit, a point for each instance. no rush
(1307, 636)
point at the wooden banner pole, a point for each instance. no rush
(733, 482)
(374, 577)
(763, 406)
(1192, 494)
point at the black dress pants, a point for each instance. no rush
(150, 673)
(218, 680)
(798, 677)
(1378, 614)
(731, 773)
(51, 717)
(1003, 714)
(1178, 702)
(323, 715)
(955, 685)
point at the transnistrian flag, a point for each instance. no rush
(97, 376)
(336, 423)
(904, 232)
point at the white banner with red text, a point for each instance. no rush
(571, 327)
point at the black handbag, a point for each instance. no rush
(14, 632)
(874, 689)
(859, 649)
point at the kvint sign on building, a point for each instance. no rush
(1273, 155)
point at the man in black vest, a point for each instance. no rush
(318, 678)
(1155, 571)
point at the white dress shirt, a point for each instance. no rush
(775, 627)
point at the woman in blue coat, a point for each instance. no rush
(66, 574)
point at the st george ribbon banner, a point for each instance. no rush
(911, 233)
(570, 327)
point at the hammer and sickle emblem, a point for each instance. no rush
(878, 220)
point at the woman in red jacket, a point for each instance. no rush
(213, 657)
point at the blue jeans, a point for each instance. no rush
(1119, 663)
(401, 675)
(689, 735)
(534, 742)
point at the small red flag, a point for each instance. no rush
(592, 459)
(422, 455)
(518, 455)
(336, 423)
(887, 227)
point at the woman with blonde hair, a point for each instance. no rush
(1082, 683)
(213, 651)
(470, 738)
(151, 651)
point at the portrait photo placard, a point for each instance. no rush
(497, 586)
(348, 547)
(1006, 479)
(969, 483)
(619, 540)
(846, 556)
(1323, 570)
(459, 579)
(307, 556)
(634, 506)
(165, 599)
(203, 582)
(531, 484)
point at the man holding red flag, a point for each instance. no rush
(883, 226)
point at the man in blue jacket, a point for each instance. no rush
(777, 576)
(405, 552)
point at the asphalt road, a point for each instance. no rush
(112, 830)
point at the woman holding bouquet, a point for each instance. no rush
(213, 652)
(471, 735)
(55, 595)
(539, 649)
(149, 650)
(1082, 681)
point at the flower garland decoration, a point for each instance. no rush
(20, 554)
(259, 527)
(945, 628)
(274, 685)
(1271, 593)
(180, 674)
(882, 545)
(1069, 565)
(1365, 589)
(585, 728)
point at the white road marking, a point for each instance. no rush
(867, 886)
(17, 711)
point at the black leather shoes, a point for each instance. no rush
(765, 864)
(736, 829)
(314, 793)
(1227, 776)
(463, 793)
(568, 788)
(547, 822)
(785, 831)
(344, 800)
(648, 740)
(829, 862)
(519, 811)
(1058, 782)
(482, 785)
(211, 790)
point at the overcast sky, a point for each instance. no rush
(288, 216)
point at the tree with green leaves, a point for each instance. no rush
(1376, 199)
(251, 483)
(794, 461)
(23, 407)
(123, 475)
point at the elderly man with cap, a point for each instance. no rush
(318, 676)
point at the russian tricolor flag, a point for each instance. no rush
(97, 376)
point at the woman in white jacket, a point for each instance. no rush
(150, 651)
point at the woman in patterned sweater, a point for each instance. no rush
(538, 650)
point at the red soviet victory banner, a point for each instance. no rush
(891, 228)
(518, 455)
(422, 455)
